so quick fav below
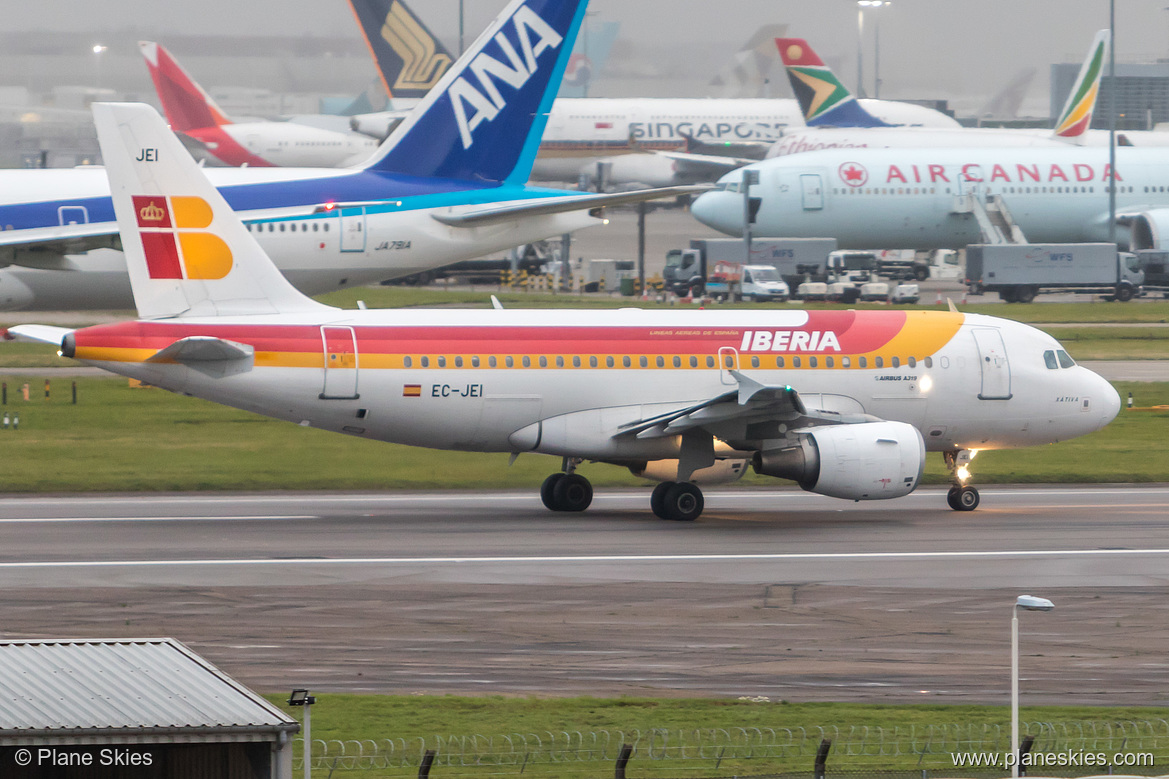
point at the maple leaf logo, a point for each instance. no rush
(853, 174)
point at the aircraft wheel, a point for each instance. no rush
(963, 498)
(683, 502)
(572, 493)
(658, 497)
(547, 491)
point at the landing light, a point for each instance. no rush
(963, 474)
(927, 384)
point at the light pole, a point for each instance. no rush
(1112, 123)
(98, 49)
(300, 697)
(1027, 603)
(861, 6)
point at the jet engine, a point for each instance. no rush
(722, 472)
(866, 461)
(1149, 230)
(649, 170)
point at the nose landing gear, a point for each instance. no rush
(568, 491)
(961, 497)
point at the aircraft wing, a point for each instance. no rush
(751, 403)
(41, 334)
(478, 216)
(44, 247)
(706, 165)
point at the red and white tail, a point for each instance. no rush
(187, 252)
(186, 105)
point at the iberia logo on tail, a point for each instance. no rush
(175, 239)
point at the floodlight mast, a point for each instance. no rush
(1026, 603)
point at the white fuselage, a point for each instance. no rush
(318, 250)
(509, 380)
(584, 131)
(292, 145)
(914, 197)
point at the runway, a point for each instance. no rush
(772, 592)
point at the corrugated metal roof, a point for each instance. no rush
(140, 684)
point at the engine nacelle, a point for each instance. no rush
(1148, 230)
(722, 472)
(378, 125)
(867, 461)
(651, 170)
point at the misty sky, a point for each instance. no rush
(929, 48)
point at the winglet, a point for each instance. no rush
(823, 99)
(187, 252)
(484, 119)
(1076, 116)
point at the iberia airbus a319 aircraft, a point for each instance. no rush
(846, 403)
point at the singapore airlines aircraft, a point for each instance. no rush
(922, 197)
(846, 403)
(191, 111)
(449, 185)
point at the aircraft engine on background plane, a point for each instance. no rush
(722, 472)
(1148, 230)
(652, 170)
(867, 461)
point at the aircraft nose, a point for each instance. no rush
(717, 210)
(1109, 400)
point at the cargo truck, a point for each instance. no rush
(687, 270)
(1019, 272)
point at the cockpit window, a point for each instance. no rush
(1050, 360)
(1065, 359)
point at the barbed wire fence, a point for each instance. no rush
(914, 750)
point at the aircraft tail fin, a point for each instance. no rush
(187, 252)
(824, 100)
(484, 118)
(186, 105)
(1076, 116)
(588, 59)
(409, 58)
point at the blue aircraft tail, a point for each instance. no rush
(484, 119)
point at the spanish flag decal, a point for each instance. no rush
(412, 390)
(175, 240)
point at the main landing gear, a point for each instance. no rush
(679, 501)
(961, 497)
(568, 491)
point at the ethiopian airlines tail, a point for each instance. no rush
(824, 100)
(186, 105)
(484, 119)
(1076, 116)
(188, 253)
(409, 58)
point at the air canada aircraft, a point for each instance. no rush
(928, 198)
(846, 403)
(448, 185)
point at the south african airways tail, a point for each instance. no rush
(823, 99)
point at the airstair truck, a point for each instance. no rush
(1019, 272)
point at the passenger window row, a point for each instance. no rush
(258, 227)
(661, 361)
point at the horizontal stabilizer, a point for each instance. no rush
(492, 214)
(41, 334)
(202, 348)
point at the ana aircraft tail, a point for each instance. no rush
(824, 100)
(484, 119)
(408, 56)
(1076, 116)
(186, 105)
(188, 253)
